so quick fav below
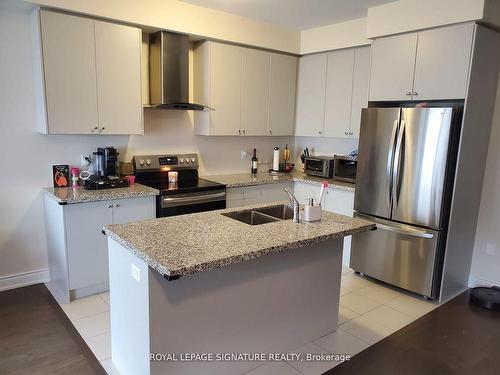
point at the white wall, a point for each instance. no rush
(410, 15)
(485, 269)
(186, 18)
(336, 36)
(26, 157)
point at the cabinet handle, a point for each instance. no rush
(117, 205)
(408, 93)
(415, 93)
(110, 206)
(320, 132)
(351, 133)
(102, 128)
(239, 131)
(271, 132)
(345, 133)
(94, 129)
(243, 132)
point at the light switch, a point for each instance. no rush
(136, 272)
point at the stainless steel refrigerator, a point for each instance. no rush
(404, 183)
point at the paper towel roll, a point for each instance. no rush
(276, 159)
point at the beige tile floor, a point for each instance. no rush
(368, 312)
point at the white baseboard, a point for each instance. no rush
(475, 281)
(24, 279)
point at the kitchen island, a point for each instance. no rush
(208, 284)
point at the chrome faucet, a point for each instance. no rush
(295, 205)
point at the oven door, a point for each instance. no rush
(187, 203)
(315, 167)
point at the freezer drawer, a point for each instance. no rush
(401, 255)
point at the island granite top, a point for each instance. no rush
(248, 179)
(70, 195)
(187, 244)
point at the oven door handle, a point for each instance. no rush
(187, 199)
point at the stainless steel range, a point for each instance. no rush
(188, 194)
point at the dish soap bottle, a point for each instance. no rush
(254, 161)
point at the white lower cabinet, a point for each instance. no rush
(341, 202)
(248, 195)
(334, 200)
(78, 255)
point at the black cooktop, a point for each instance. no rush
(187, 183)
(187, 186)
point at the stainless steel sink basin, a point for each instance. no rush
(264, 215)
(282, 211)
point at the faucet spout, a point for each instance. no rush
(295, 205)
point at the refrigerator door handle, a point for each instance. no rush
(396, 227)
(390, 162)
(409, 232)
(397, 162)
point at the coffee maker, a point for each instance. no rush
(105, 174)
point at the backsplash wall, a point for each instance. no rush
(324, 146)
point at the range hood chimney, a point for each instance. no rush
(169, 72)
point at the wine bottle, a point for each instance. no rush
(254, 161)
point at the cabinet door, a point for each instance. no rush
(311, 95)
(254, 91)
(234, 197)
(273, 192)
(133, 209)
(225, 86)
(303, 191)
(282, 89)
(338, 93)
(69, 72)
(251, 195)
(442, 64)
(392, 67)
(87, 247)
(360, 83)
(341, 202)
(118, 63)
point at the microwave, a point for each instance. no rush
(321, 166)
(344, 168)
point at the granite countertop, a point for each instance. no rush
(72, 195)
(248, 179)
(187, 244)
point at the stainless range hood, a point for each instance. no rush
(169, 72)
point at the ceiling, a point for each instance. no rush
(296, 14)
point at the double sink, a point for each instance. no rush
(263, 215)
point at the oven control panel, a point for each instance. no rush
(165, 162)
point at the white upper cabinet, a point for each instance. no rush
(118, 63)
(252, 92)
(360, 84)
(338, 93)
(311, 86)
(255, 93)
(392, 68)
(70, 73)
(225, 85)
(428, 65)
(282, 88)
(332, 89)
(92, 75)
(442, 63)
(217, 83)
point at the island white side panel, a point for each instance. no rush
(58, 283)
(129, 309)
(274, 303)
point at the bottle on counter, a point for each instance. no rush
(254, 161)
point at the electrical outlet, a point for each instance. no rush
(136, 272)
(243, 154)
